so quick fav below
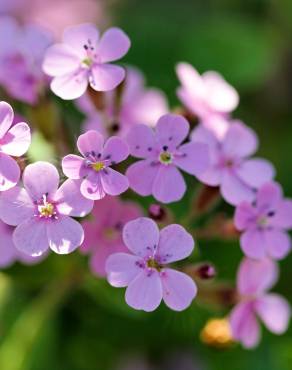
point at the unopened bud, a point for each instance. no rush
(157, 212)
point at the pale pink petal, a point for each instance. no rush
(169, 184)
(212, 176)
(193, 158)
(283, 215)
(113, 45)
(74, 167)
(91, 187)
(59, 60)
(121, 269)
(17, 140)
(278, 243)
(9, 172)
(234, 191)
(274, 311)
(70, 201)
(203, 135)
(6, 118)
(253, 244)
(141, 176)
(39, 179)
(256, 172)
(141, 236)
(90, 143)
(178, 289)
(79, 35)
(240, 140)
(145, 291)
(8, 253)
(115, 150)
(191, 79)
(113, 182)
(245, 216)
(255, 277)
(171, 130)
(244, 325)
(15, 206)
(30, 237)
(141, 141)
(70, 86)
(175, 244)
(106, 77)
(269, 196)
(64, 235)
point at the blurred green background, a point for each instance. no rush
(54, 317)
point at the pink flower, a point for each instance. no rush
(94, 168)
(230, 168)
(208, 96)
(83, 58)
(162, 153)
(103, 234)
(136, 105)
(8, 252)
(14, 141)
(42, 212)
(21, 55)
(145, 274)
(254, 279)
(264, 223)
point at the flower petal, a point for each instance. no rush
(193, 158)
(255, 277)
(178, 289)
(240, 140)
(8, 253)
(113, 182)
(234, 191)
(115, 150)
(39, 179)
(106, 77)
(15, 206)
(90, 143)
(79, 35)
(141, 176)
(275, 312)
(91, 187)
(171, 130)
(278, 243)
(256, 172)
(245, 216)
(73, 166)
(283, 215)
(169, 185)
(9, 172)
(145, 291)
(113, 45)
(70, 86)
(59, 60)
(175, 244)
(6, 118)
(70, 200)
(30, 237)
(141, 141)
(269, 196)
(253, 243)
(64, 235)
(121, 269)
(141, 236)
(17, 140)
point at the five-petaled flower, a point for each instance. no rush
(265, 223)
(41, 212)
(254, 280)
(94, 167)
(144, 272)
(162, 153)
(83, 58)
(230, 167)
(14, 141)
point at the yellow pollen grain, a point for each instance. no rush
(98, 166)
(47, 210)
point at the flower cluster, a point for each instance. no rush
(125, 119)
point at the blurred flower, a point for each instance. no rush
(217, 333)
(84, 58)
(254, 279)
(136, 104)
(208, 96)
(14, 141)
(94, 168)
(144, 273)
(8, 252)
(21, 56)
(42, 212)
(162, 153)
(103, 234)
(230, 168)
(264, 223)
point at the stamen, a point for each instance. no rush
(98, 166)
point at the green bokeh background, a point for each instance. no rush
(54, 317)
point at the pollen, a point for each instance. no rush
(98, 166)
(153, 264)
(217, 333)
(87, 62)
(165, 157)
(46, 210)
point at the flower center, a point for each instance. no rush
(98, 166)
(165, 157)
(111, 233)
(46, 209)
(87, 62)
(153, 264)
(263, 221)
